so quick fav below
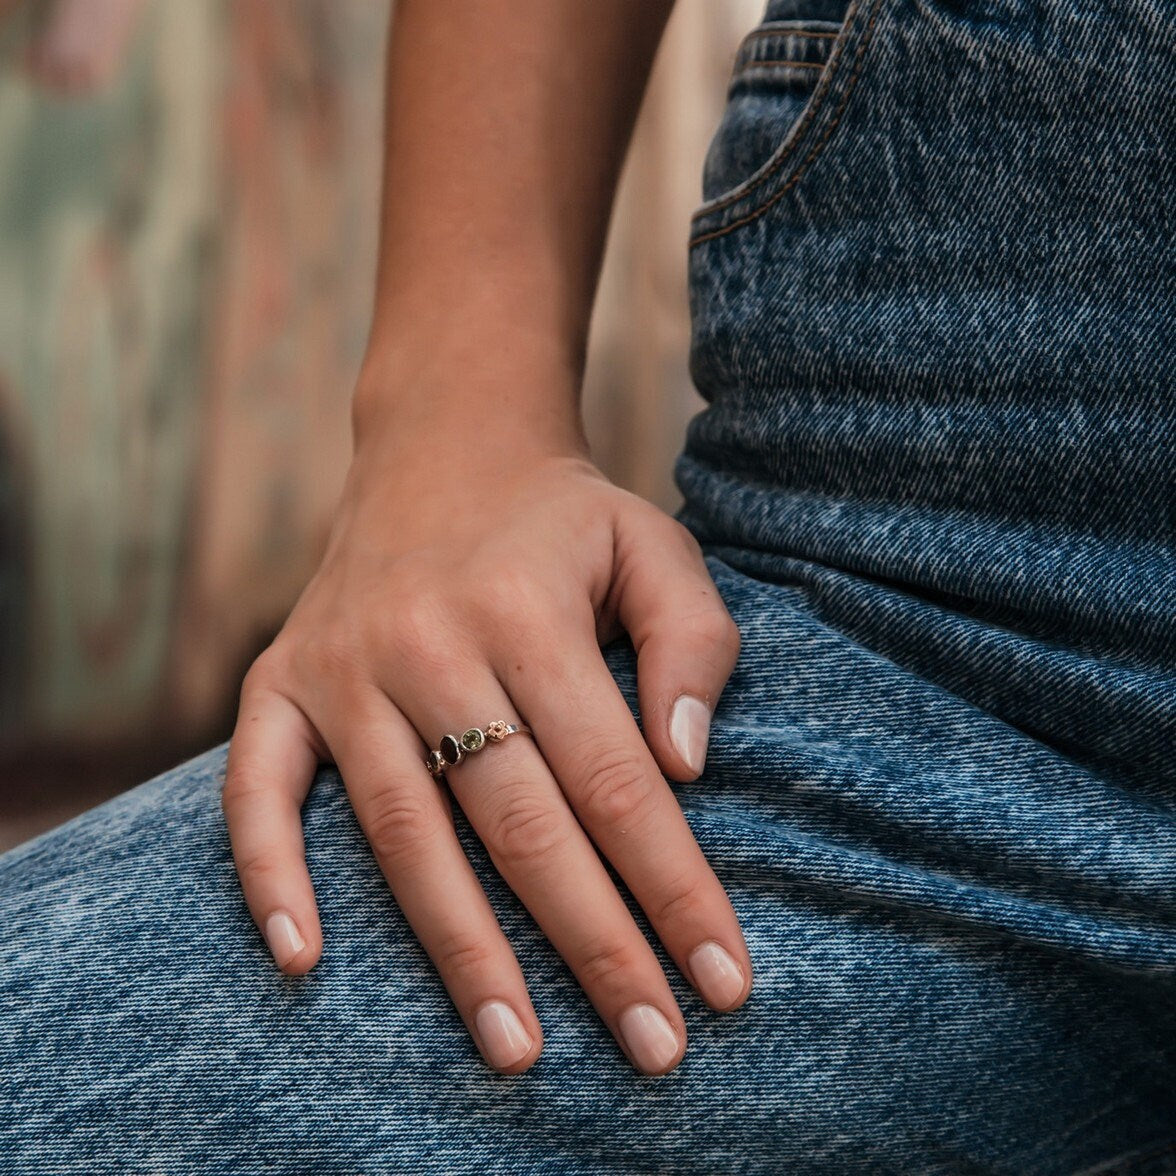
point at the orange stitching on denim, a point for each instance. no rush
(786, 33)
(794, 64)
(817, 147)
(806, 118)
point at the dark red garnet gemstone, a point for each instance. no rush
(450, 749)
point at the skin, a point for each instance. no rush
(479, 558)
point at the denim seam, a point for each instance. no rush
(813, 110)
(758, 34)
(796, 64)
(810, 113)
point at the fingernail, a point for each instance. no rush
(281, 933)
(502, 1033)
(649, 1037)
(718, 976)
(690, 730)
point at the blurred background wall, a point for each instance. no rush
(188, 199)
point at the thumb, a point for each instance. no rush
(686, 641)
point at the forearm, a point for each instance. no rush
(506, 125)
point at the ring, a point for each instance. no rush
(455, 748)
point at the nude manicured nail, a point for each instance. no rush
(281, 933)
(649, 1037)
(502, 1033)
(690, 730)
(718, 976)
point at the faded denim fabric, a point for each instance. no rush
(931, 288)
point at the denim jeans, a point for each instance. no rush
(931, 294)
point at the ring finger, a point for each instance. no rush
(522, 816)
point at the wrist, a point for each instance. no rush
(468, 400)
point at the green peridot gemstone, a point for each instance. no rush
(473, 739)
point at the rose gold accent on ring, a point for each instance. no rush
(494, 732)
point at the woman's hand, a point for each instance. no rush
(463, 584)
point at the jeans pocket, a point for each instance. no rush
(790, 81)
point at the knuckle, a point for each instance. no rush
(398, 823)
(258, 866)
(460, 956)
(415, 626)
(262, 674)
(728, 633)
(246, 776)
(507, 595)
(616, 789)
(683, 901)
(267, 678)
(734, 640)
(715, 625)
(606, 962)
(328, 655)
(526, 831)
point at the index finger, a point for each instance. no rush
(271, 764)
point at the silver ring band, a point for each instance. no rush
(454, 748)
